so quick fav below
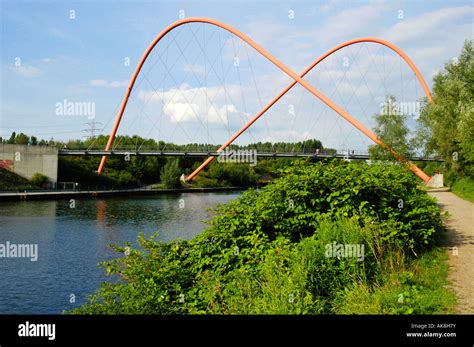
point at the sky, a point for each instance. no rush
(65, 66)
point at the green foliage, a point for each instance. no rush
(308, 146)
(140, 170)
(387, 193)
(420, 289)
(11, 140)
(170, 174)
(123, 179)
(266, 252)
(39, 179)
(464, 187)
(20, 139)
(232, 174)
(82, 171)
(392, 130)
(243, 175)
(298, 278)
(11, 181)
(447, 124)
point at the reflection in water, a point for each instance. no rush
(101, 206)
(71, 242)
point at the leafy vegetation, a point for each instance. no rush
(134, 171)
(392, 130)
(11, 181)
(447, 124)
(38, 179)
(449, 120)
(420, 287)
(464, 187)
(170, 174)
(266, 252)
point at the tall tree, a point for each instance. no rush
(11, 140)
(33, 140)
(446, 125)
(22, 139)
(391, 129)
(170, 174)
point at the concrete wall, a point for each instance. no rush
(436, 181)
(28, 160)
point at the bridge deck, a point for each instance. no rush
(241, 154)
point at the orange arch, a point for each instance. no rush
(308, 69)
(284, 68)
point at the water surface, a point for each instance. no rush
(72, 240)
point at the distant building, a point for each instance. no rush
(25, 161)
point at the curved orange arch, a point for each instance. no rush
(281, 66)
(308, 69)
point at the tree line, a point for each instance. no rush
(445, 127)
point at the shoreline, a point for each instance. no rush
(57, 195)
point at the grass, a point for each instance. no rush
(401, 284)
(262, 256)
(464, 188)
(11, 181)
(420, 288)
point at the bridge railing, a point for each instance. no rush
(343, 154)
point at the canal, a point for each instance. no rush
(73, 236)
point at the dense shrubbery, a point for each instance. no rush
(464, 187)
(170, 174)
(11, 181)
(265, 252)
(447, 124)
(241, 175)
(39, 179)
(232, 174)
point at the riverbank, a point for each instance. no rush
(347, 250)
(87, 194)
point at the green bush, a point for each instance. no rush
(39, 179)
(464, 187)
(83, 171)
(11, 181)
(266, 251)
(170, 174)
(232, 174)
(125, 179)
(290, 206)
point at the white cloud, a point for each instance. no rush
(431, 25)
(108, 84)
(25, 70)
(57, 33)
(287, 135)
(188, 104)
(352, 22)
(197, 69)
(65, 36)
(349, 23)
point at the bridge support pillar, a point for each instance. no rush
(436, 181)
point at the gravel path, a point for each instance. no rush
(460, 242)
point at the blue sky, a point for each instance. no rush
(190, 89)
